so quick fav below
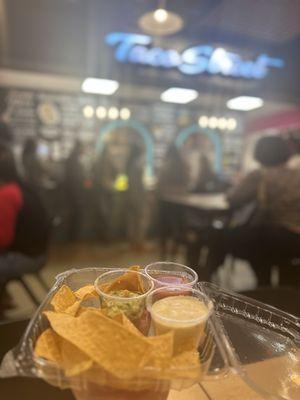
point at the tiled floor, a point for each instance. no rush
(80, 255)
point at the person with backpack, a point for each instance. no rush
(24, 227)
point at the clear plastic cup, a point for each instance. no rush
(184, 311)
(133, 307)
(168, 273)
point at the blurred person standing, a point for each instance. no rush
(173, 176)
(272, 232)
(24, 226)
(6, 135)
(199, 156)
(105, 175)
(173, 179)
(32, 168)
(74, 189)
(206, 180)
(136, 198)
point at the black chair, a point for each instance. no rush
(28, 289)
(289, 272)
(21, 279)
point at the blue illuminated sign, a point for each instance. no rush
(136, 49)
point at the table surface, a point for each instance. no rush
(228, 388)
(206, 202)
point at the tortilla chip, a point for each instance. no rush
(74, 361)
(118, 318)
(130, 280)
(162, 350)
(296, 379)
(114, 348)
(54, 348)
(129, 325)
(73, 309)
(135, 268)
(86, 292)
(102, 378)
(83, 309)
(184, 366)
(63, 299)
(48, 346)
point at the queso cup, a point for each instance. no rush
(184, 311)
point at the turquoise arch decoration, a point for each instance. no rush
(140, 129)
(211, 134)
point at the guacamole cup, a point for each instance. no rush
(119, 297)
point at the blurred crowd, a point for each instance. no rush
(107, 194)
(111, 193)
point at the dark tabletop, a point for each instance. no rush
(24, 388)
(284, 298)
(205, 202)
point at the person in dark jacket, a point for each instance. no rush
(173, 179)
(74, 187)
(272, 232)
(6, 135)
(32, 168)
(136, 198)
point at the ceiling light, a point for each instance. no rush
(125, 113)
(160, 15)
(113, 113)
(222, 123)
(160, 22)
(231, 124)
(213, 122)
(99, 86)
(88, 111)
(245, 103)
(101, 112)
(179, 95)
(203, 121)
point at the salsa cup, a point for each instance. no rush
(133, 307)
(169, 273)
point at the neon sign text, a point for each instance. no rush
(136, 49)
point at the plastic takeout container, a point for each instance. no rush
(244, 340)
(22, 360)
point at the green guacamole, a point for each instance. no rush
(132, 308)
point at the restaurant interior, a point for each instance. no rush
(148, 130)
(239, 63)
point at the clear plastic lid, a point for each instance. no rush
(262, 343)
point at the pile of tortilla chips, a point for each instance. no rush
(82, 340)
